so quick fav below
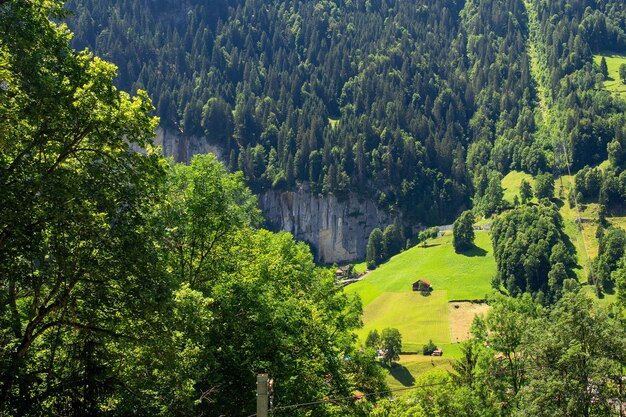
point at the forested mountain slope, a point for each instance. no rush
(415, 105)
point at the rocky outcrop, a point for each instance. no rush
(182, 148)
(337, 230)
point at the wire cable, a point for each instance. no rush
(578, 215)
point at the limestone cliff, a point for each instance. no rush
(337, 230)
(182, 148)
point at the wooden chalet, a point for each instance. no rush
(342, 271)
(422, 285)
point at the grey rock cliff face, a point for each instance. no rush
(182, 148)
(338, 230)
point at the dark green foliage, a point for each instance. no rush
(529, 242)
(382, 246)
(572, 352)
(391, 343)
(619, 278)
(622, 73)
(375, 249)
(588, 182)
(489, 193)
(478, 330)
(525, 191)
(606, 187)
(393, 240)
(420, 98)
(463, 232)
(466, 367)
(396, 77)
(604, 69)
(368, 375)
(544, 186)
(285, 68)
(429, 233)
(429, 348)
(373, 339)
(132, 287)
(78, 264)
(611, 251)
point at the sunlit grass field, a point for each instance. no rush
(511, 184)
(613, 62)
(389, 301)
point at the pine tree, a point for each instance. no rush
(604, 69)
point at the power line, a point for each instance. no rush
(578, 215)
(522, 370)
(377, 393)
(351, 397)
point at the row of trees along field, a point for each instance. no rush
(129, 286)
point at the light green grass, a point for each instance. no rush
(613, 62)
(606, 300)
(360, 268)
(419, 318)
(404, 373)
(463, 276)
(586, 244)
(333, 122)
(618, 222)
(511, 184)
(388, 299)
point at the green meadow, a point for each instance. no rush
(511, 184)
(389, 301)
(613, 62)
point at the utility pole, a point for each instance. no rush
(262, 395)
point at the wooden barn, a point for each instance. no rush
(422, 285)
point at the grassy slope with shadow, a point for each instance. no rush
(388, 299)
(613, 83)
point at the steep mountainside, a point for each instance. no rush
(412, 105)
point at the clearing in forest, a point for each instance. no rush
(511, 184)
(613, 83)
(389, 301)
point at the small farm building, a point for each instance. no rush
(422, 285)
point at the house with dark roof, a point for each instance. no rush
(422, 285)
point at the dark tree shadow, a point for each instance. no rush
(617, 210)
(429, 245)
(402, 375)
(474, 251)
(558, 202)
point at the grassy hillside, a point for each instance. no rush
(388, 299)
(613, 62)
(587, 248)
(511, 184)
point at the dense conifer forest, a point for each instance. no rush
(133, 285)
(413, 103)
